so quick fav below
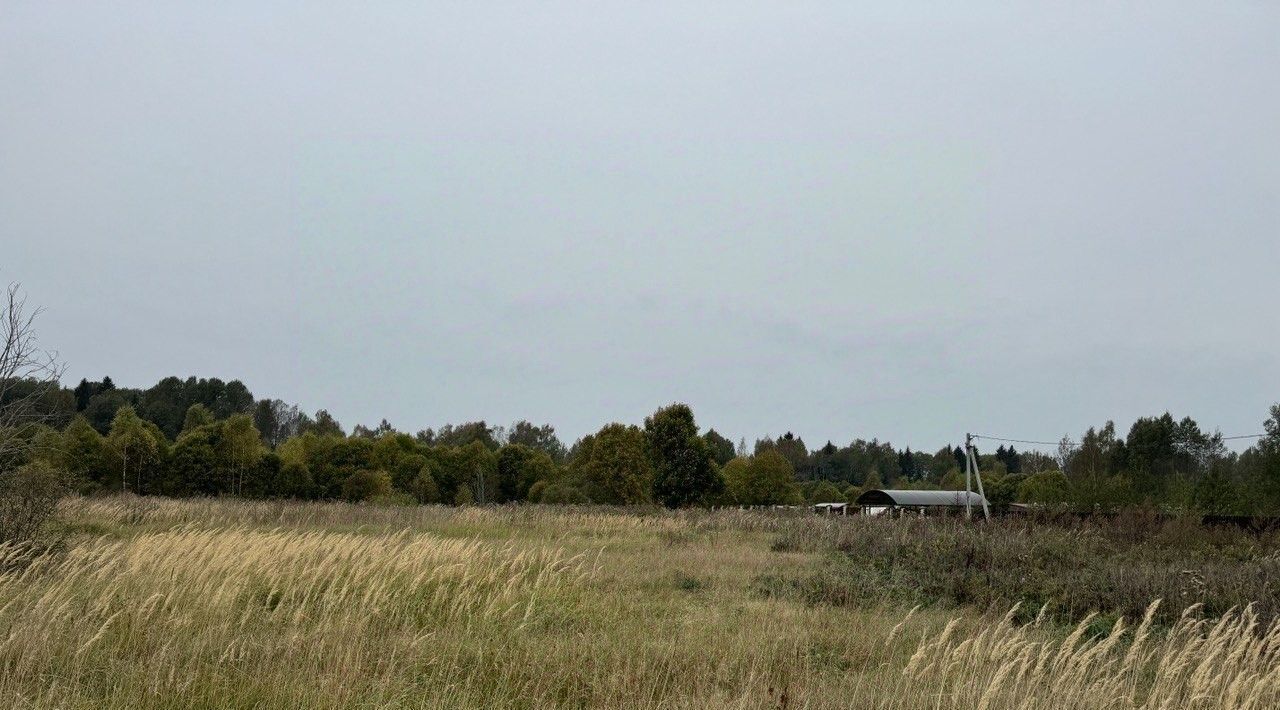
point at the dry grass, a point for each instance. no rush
(189, 604)
(1116, 566)
(1227, 663)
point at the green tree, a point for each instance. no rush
(1271, 441)
(1108, 493)
(518, 468)
(197, 415)
(1002, 488)
(851, 494)
(767, 479)
(405, 468)
(104, 405)
(294, 480)
(461, 435)
(473, 465)
(165, 404)
(682, 463)
(1263, 462)
(83, 392)
(239, 448)
(614, 469)
(463, 496)
(366, 484)
(231, 398)
(330, 459)
(952, 480)
(136, 448)
(278, 421)
(721, 448)
(541, 438)
(34, 400)
(83, 453)
(734, 474)
(1214, 493)
(423, 487)
(263, 480)
(825, 492)
(793, 449)
(265, 421)
(194, 468)
(323, 425)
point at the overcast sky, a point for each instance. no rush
(839, 219)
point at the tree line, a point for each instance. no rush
(209, 437)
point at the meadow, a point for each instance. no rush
(158, 603)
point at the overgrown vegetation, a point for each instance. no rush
(28, 497)
(29, 485)
(1068, 566)
(162, 603)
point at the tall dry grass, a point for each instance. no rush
(211, 604)
(157, 614)
(1229, 662)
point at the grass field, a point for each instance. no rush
(208, 604)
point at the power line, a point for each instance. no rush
(1073, 443)
(1026, 441)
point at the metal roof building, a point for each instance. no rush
(918, 499)
(831, 508)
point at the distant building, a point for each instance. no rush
(831, 508)
(875, 502)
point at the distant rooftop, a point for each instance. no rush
(907, 499)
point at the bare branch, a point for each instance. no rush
(28, 373)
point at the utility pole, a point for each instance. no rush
(971, 465)
(968, 486)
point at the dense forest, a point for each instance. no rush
(207, 437)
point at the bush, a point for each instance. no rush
(28, 498)
(423, 487)
(536, 491)
(294, 480)
(366, 484)
(1075, 567)
(825, 492)
(464, 496)
(563, 494)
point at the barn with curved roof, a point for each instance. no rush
(923, 501)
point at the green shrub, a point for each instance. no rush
(464, 496)
(295, 480)
(28, 498)
(824, 492)
(563, 494)
(536, 491)
(423, 487)
(366, 484)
